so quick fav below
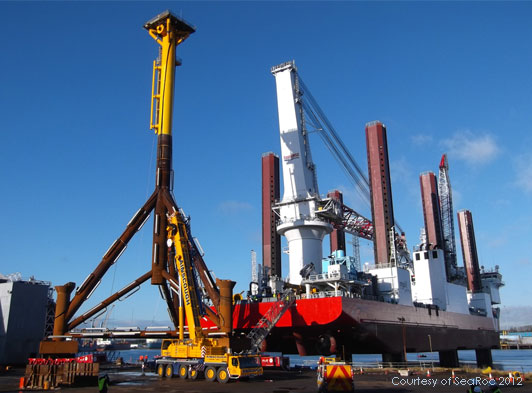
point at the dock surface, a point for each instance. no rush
(271, 382)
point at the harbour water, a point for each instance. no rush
(509, 360)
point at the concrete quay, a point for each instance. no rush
(278, 382)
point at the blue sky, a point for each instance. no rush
(77, 155)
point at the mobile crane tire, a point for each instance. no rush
(169, 371)
(222, 375)
(210, 374)
(183, 371)
(160, 370)
(193, 373)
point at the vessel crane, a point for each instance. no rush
(447, 218)
(304, 217)
(299, 223)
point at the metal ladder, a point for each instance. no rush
(268, 320)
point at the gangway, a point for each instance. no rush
(268, 320)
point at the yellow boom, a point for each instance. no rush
(169, 32)
(178, 242)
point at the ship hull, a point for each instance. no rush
(345, 326)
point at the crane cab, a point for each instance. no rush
(244, 366)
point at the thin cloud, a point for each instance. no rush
(502, 202)
(421, 139)
(523, 177)
(473, 148)
(403, 175)
(400, 169)
(234, 207)
(498, 241)
(457, 198)
(515, 316)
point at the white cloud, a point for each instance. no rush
(234, 207)
(404, 178)
(502, 202)
(524, 173)
(421, 139)
(473, 148)
(400, 169)
(498, 241)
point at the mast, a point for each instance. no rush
(168, 32)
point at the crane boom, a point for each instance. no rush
(299, 173)
(178, 244)
(447, 217)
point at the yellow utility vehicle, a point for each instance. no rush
(334, 375)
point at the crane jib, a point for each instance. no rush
(186, 291)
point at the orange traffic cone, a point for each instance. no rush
(361, 370)
(511, 378)
(491, 377)
(21, 383)
(428, 373)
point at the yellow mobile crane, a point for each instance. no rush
(197, 353)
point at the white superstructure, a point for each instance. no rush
(430, 283)
(393, 283)
(304, 231)
(491, 283)
(25, 308)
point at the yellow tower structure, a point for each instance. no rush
(168, 31)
